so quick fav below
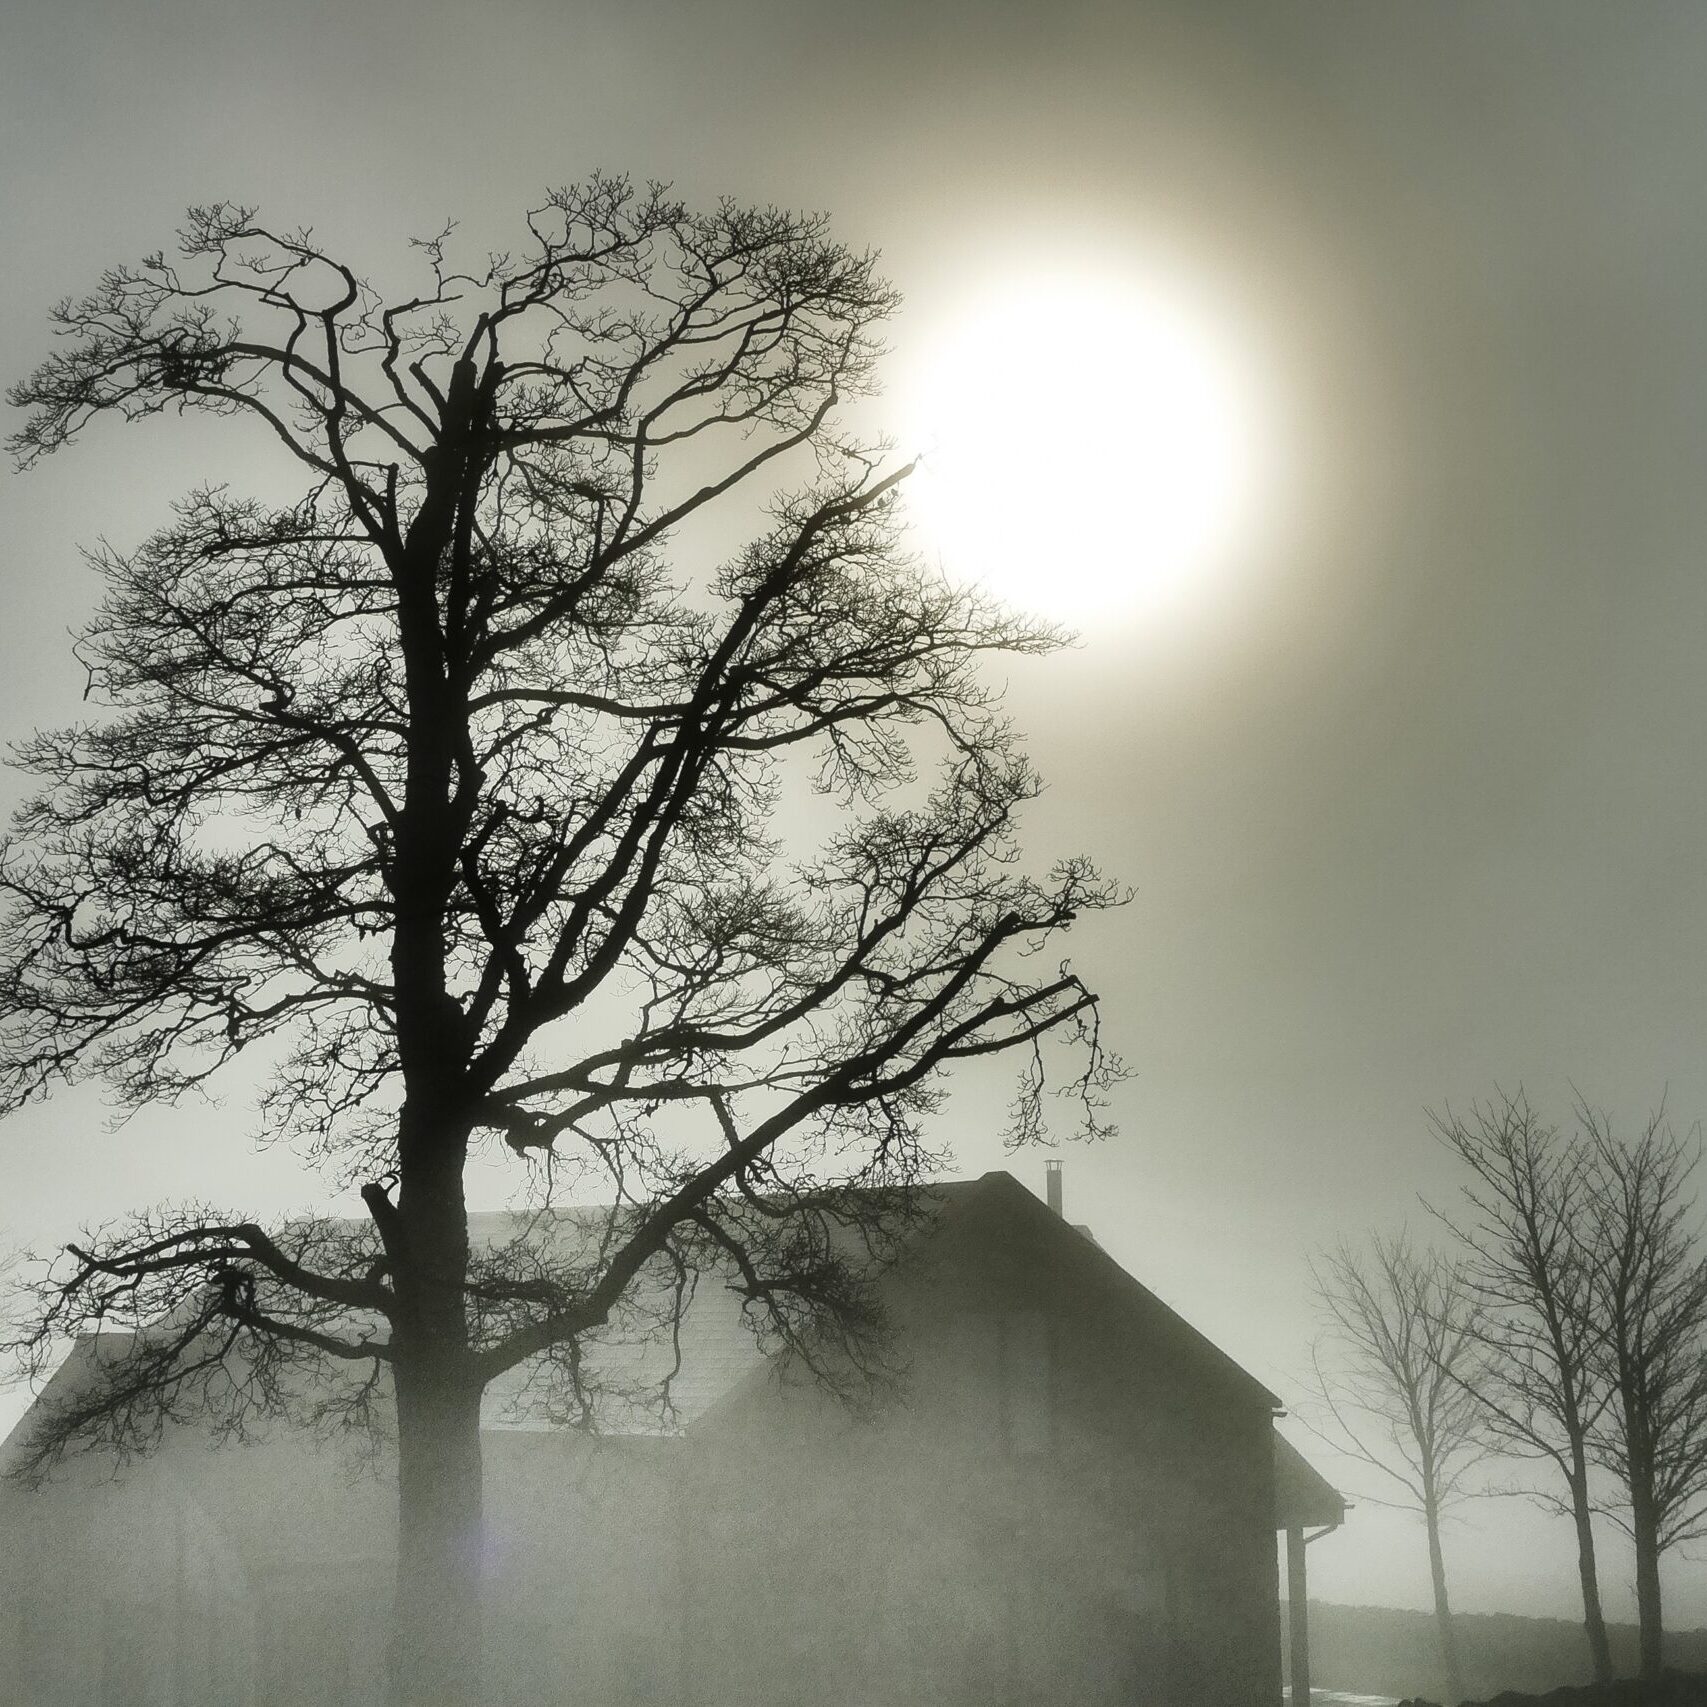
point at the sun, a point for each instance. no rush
(1090, 447)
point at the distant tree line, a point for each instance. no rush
(1560, 1323)
(1385, 1651)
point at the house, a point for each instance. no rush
(1076, 1499)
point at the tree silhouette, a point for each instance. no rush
(458, 792)
(1650, 1313)
(1526, 1227)
(1401, 1324)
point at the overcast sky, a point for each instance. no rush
(1419, 811)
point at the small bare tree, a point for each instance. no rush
(1650, 1310)
(1402, 1337)
(1527, 1206)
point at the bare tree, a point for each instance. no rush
(448, 791)
(1528, 1209)
(1650, 1308)
(1402, 1332)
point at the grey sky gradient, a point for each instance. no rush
(1424, 809)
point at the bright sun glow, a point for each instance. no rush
(1090, 449)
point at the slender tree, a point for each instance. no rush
(1650, 1309)
(457, 793)
(1398, 1385)
(1529, 1263)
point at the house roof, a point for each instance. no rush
(719, 1354)
(74, 1370)
(714, 1353)
(1187, 1342)
(632, 1362)
(1303, 1499)
(629, 1362)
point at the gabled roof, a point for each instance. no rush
(720, 1357)
(713, 1352)
(718, 1352)
(1161, 1319)
(76, 1369)
(629, 1362)
(629, 1366)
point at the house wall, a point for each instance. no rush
(583, 1571)
(242, 1576)
(121, 1594)
(1070, 1501)
(1158, 1470)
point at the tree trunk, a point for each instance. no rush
(1594, 1621)
(1442, 1608)
(435, 1637)
(1644, 1528)
(435, 1644)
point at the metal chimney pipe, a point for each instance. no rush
(1052, 1185)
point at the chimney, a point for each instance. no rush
(1052, 1185)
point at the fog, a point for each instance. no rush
(1411, 800)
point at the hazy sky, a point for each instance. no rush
(1421, 809)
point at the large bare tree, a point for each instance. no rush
(457, 792)
(1395, 1373)
(1526, 1230)
(1650, 1312)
